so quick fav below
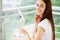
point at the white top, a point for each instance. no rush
(48, 30)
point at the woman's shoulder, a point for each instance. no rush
(44, 22)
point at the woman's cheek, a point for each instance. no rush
(42, 11)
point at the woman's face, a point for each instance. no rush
(40, 8)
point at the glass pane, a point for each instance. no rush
(6, 13)
(9, 25)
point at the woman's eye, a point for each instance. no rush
(41, 6)
(37, 4)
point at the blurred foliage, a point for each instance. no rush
(57, 36)
(57, 22)
(56, 3)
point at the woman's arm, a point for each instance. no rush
(39, 34)
(23, 31)
(28, 37)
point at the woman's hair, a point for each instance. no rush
(48, 14)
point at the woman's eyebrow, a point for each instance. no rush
(41, 3)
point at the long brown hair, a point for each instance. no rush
(48, 14)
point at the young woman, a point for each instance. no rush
(44, 29)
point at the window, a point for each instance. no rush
(11, 19)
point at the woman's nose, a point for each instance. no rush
(37, 7)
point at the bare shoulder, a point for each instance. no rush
(40, 29)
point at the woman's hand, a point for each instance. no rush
(23, 31)
(37, 18)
